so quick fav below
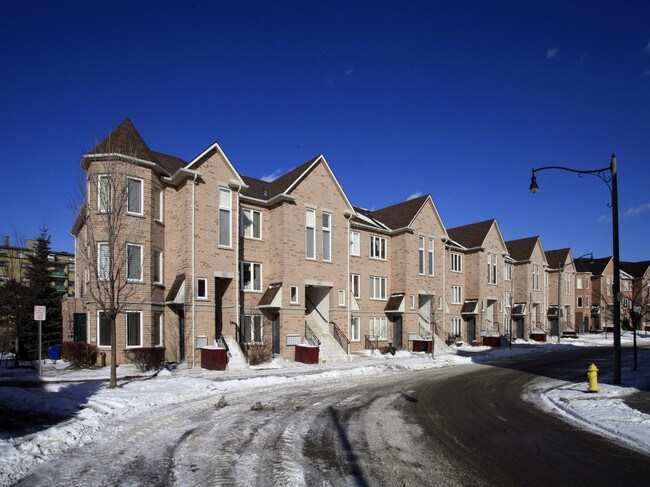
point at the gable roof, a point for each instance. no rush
(472, 235)
(595, 266)
(636, 269)
(557, 256)
(522, 249)
(126, 140)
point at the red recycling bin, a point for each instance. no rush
(307, 354)
(422, 346)
(214, 358)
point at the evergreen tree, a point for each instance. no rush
(42, 293)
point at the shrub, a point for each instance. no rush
(79, 354)
(145, 358)
(259, 353)
(388, 349)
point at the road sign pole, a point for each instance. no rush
(40, 348)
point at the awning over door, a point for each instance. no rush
(272, 297)
(395, 303)
(470, 307)
(176, 294)
(519, 309)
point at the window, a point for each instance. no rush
(253, 328)
(201, 288)
(456, 262)
(567, 284)
(586, 301)
(535, 277)
(355, 284)
(492, 268)
(327, 236)
(626, 303)
(134, 262)
(341, 297)
(412, 301)
(609, 287)
(431, 261)
(310, 222)
(225, 205)
(103, 329)
(251, 276)
(508, 299)
(578, 282)
(545, 280)
(507, 272)
(377, 248)
(377, 287)
(355, 243)
(508, 325)
(587, 282)
(157, 329)
(293, 294)
(158, 205)
(355, 329)
(378, 328)
(626, 285)
(421, 255)
(134, 196)
(456, 295)
(133, 329)
(579, 301)
(103, 261)
(456, 327)
(489, 268)
(104, 193)
(251, 224)
(157, 266)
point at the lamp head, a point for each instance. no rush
(533, 184)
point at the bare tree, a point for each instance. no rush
(109, 242)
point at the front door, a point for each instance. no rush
(554, 327)
(79, 331)
(471, 329)
(519, 329)
(276, 333)
(181, 336)
(397, 332)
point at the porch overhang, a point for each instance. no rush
(272, 297)
(470, 307)
(395, 303)
(176, 294)
(519, 309)
(552, 312)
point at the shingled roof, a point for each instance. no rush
(522, 249)
(126, 140)
(636, 269)
(558, 256)
(595, 266)
(472, 235)
(265, 190)
(401, 214)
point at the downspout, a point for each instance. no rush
(444, 285)
(236, 238)
(350, 297)
(194, 183)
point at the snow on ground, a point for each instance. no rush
(66, 408)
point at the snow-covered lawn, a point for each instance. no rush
(71, 408)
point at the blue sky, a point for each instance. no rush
(457, 99)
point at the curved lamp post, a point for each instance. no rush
(609, 177)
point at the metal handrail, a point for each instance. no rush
(241, 340)
(340, 337)
(316, 309)
(369, 343)
(310, 336)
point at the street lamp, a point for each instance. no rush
(611, 180)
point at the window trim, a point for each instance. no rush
(159, 324)
(456, 264)
(327, 236)
(372, 323)
(382, 247)
(310, 229)
(198, 287)
(382, 282)
(126, 329)
(128, 194)
(109, 204)
(357, 278)
(253, 265)
(99, 335)
(456, 294)
(342, 297)
(431, 257)
(355, 244)
(141, 278)
(158, 209)
(291, 295)
(158, 263)
(421, 253)
(357, 337)
(103, 272)
(252, 226)
(252, 323)
(228, 210)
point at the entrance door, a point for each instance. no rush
(397, 332)
(181, 336)
(471, 329)
(519, 328)
(276, 333)
(554, 327)
(79, 331)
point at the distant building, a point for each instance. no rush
(14, 261)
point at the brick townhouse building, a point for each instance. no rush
(202, 253)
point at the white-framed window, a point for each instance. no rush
(251, 276)
(587, 280)
(578, 282)
(103, 330)
(355, 243)
(355, 285)
(377, 287)
(377, 247)
(579, 305)
(310, 224)
(440, 303)
(545, 279)
(567, 284)
(134, 262)
(104, 193)
(225, 217)
(341, 297)
(609, 287)
(293, 294)
(456, 295)
(157, 266)
(134, 197)
(421, 255)
(378, 328)
(508, 299)
(492, 260)
(507, 272)
(431, 258)
(158, 205)
(627, 303)
(133, 329)
(456, 327)
(327, 236)
(103, 261)
(201, 288)
(412, 301)
(508, 324)
(626, 285)
(536, 277)
(157, 329)
(355, 329)
(251, 224)
(456, 262)
(253, 328)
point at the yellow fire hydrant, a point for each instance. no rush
(592, 376)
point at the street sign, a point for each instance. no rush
(39, 313)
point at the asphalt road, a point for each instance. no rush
(464, 426)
